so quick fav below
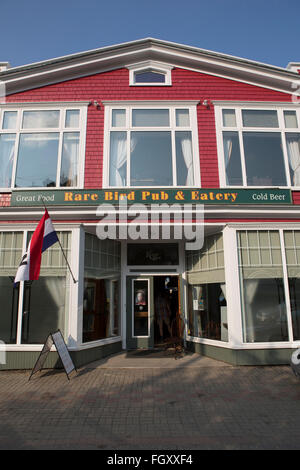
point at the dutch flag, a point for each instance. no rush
(44, 236)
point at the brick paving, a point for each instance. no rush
(112, 406)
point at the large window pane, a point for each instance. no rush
(208, 311)
(151, 159)
(264, 159)
(207, 306)
(101, 301)
(96, 309)
(118, 159)
(184, 158)
(37, 160)
(232, 158)
(40, 119)
(69, 159)
(43, 308)
(7, 151)
(293, 148)
(150, 117)
(260, 118)
(262, 288)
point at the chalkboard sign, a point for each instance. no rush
(62, 350)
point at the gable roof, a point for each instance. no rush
(113, 57)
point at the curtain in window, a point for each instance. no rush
(187, 151)
(227, 151)
(69, 162)
(118, 158)
(293, 147)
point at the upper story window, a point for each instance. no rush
(151, 145)
(150, 73)
(41, 147)
(259, 146)
(149, 76)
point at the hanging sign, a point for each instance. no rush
(90, 197)
(62, 350)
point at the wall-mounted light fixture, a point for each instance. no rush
(206, 103)
(94, 103)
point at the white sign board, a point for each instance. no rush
(63, 352)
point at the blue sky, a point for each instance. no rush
(262, 30)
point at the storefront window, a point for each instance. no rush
(101, 301)
(262, 286)
(207, 307)
(292, 251)
(44, 308)
(45, 302)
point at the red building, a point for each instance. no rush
(161, 123)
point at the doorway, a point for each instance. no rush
(166, 308)
(153, 310)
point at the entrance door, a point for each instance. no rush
(140, 312)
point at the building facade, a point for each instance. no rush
(152, 122)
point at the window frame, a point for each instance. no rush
(20, 108)
(171, 106)
(157, 67)
(19, 345)
(280, 108)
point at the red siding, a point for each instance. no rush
(114, 85)
(4, 200)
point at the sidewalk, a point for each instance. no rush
(131, 402)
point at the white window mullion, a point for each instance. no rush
(128, 182)
(21, 295)
(286, 286)
(280, 114)
(239, 123)
(174, 168)
(286, 159)
(59, 158)
(62, 120)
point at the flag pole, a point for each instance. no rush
(74, 280)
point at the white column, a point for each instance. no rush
(233, 298)
(123, 302)
(76, 290)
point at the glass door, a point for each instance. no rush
(140, 312)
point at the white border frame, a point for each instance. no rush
(154, 66)
(139, 279)
(172, 106)
(280, 107)
(62, 107)
(234, 304)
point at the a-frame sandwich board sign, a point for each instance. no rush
(62, 350)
